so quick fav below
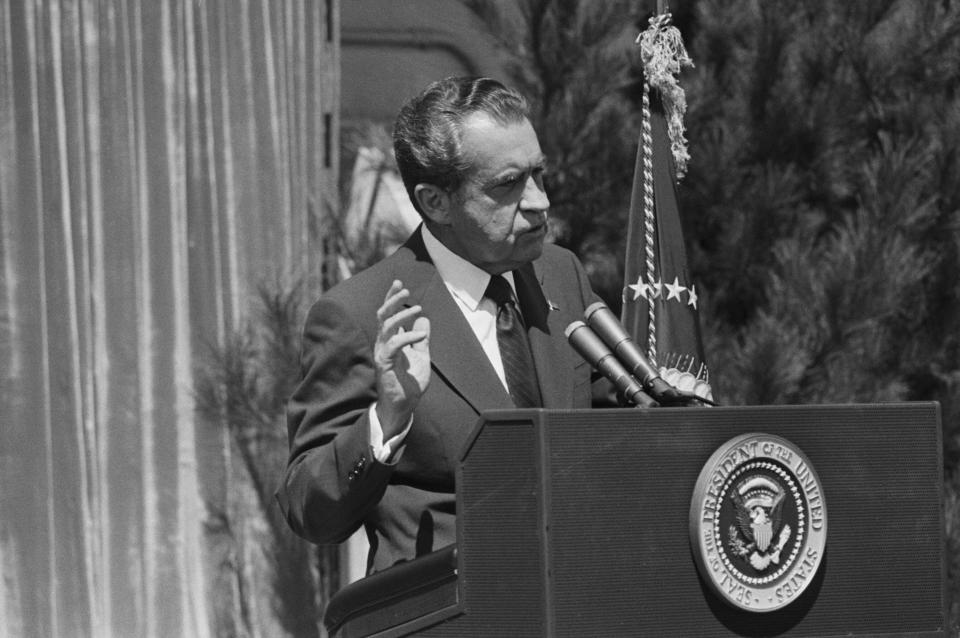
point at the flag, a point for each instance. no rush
(660, 299)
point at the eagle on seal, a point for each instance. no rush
(759, 502)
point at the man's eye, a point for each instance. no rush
(510, 182)
(513, 181)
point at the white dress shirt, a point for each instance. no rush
(466, 284)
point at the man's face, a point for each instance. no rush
(498, 217)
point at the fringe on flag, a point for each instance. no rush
(663, 56)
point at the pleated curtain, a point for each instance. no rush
(158, 159)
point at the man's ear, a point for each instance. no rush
(434, 202)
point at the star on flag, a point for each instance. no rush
(692, 301)
(640, 289)
(675, 289)
(643, 289)
(656, 289)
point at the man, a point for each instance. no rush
(399, 361)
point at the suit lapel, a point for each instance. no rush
(550, 349)
(455, 353)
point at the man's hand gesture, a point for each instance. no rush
(402, 357)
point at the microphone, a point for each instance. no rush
(611, 331)
(592, 349)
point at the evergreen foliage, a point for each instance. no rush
(826, 186)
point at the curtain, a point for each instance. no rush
(159, 159)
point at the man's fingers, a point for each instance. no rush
(403, 339)
(394, 297)
(422, 324)
(400, 328)
(391, 323)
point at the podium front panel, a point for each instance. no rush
(577, 523)
(495, 599)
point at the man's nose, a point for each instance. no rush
(534, 195)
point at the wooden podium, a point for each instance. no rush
(577, 524)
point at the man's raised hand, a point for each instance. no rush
(402, 358)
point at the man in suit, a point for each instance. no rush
(399, 361)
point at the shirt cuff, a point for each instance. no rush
(386, 451)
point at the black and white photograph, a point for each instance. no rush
(479, 318)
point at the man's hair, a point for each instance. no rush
(429, 129)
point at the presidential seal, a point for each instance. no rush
(758, 522)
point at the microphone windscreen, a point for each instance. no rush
(586, 342)
(611, 331)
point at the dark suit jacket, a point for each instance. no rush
(332, 483)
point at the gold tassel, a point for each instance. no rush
(663, 56)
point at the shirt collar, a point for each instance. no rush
(462, 278)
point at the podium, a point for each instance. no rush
(578, 523)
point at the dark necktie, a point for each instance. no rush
(514, 347)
